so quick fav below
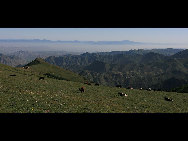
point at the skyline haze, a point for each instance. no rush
(150, 35)
(148, 38)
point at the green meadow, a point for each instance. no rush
(21, 91)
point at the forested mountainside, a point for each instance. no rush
(134, 69)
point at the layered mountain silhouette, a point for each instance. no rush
(135, 69)
(75, 41)
(157, 68)
(11, 60)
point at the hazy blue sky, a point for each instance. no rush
(155, 35)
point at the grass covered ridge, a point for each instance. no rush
(25, 93)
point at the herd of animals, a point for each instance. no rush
(83, 89)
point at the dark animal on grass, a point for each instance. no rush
(96, 84)
(119, 86)
(149, 89)
(26, 67)
(168, 99)
(130, 88)
(41, 78)
(122, 94)
(82, 89)
(13, 75)
(87, 83)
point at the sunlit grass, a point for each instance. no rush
(25, 93)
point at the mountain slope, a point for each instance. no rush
(11, 60)
(181, 54)
(181, 89)
(52, 71)
(132, 69)
(98, 66)
(22, 92)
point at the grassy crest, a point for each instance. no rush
(45, 69)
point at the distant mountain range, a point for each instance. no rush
(12, 45)
(20, 58)
(157, 69)
(11, 60)
(123, 42)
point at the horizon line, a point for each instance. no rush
(93, 41)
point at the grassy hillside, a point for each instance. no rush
(45, 69)
(21, 91)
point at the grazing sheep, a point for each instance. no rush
(26, 67)
(82, 89)
(140, 88)
(130, 88)
(149, 89)
(168, 99)
(119, 86)
(96, 84)
(41, 78)
(122, 94)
